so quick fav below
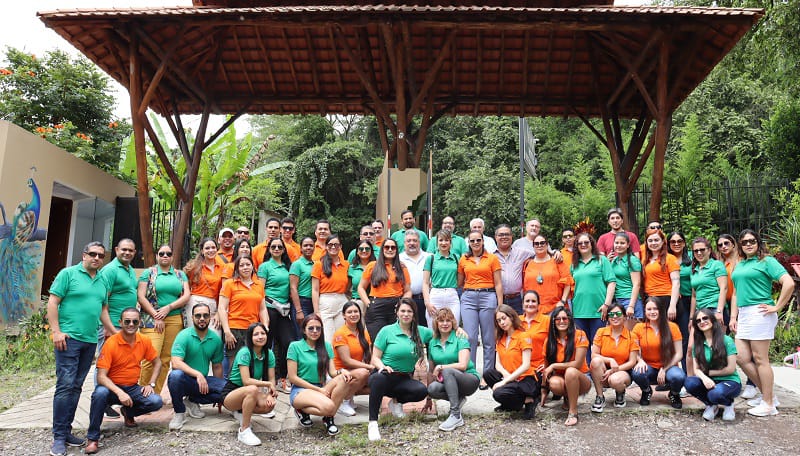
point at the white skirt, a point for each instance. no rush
(753, 325)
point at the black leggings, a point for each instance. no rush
(397, 385)
(380, 313)
(280, 335)
(512, 396)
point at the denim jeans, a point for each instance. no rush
(103, 397)
(182, 385)
(515, 303)
(675, 378)
(722, 394)
(477, 312)
(590, 326)
(682, 318)
(72, 365)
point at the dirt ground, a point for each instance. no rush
(634, 433)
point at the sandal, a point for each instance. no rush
(572, 419)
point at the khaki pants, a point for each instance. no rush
(162, 342)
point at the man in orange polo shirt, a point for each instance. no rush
(118, 369)
(322, 231)
(287, 231)
(273, 232)
(225, 240)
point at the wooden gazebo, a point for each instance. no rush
(408, 63)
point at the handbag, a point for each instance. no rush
(282, 308)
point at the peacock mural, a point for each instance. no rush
(20, 256)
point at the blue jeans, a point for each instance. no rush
(103, 397)
(590, 326)
(682, 318)
(182, 385)
(477, 312)
(722, 394)
(72, 365)
(675, 378)
(515, 303)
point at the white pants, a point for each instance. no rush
(444, 298)
(330, 310)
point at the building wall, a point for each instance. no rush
(27, 159)
(406, 186)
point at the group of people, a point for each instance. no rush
(243, 322)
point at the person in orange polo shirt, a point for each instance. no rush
(614, 353)
(118, 370)
(513, 378)
(241, 303)
(479, 273)
(322, 231)
(225, 238)
(329, 286)
(661, 272)
(351, 351)
(205, 279)
(565, 362)
(273, 229)
(287, 231)
(537, 325)
(387, 280)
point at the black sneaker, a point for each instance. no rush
(500, 409)
(662, 388)
(599, 404)
(675, 400)
(330, 426)
(529, 410)
(111, 413)
(646, 395)
(620, 400)
(304, 419)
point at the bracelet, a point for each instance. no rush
(338, 372)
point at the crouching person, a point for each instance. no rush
(118, 369)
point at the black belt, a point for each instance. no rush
(511, 296)
(417, 296)
(479, 289)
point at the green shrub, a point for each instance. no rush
(32, 348)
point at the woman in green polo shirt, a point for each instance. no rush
(754, 315)
(716, 382)
(365, 254)
(275, 271)
(251, 383)
(440, 279)
(709, 280)
(453, 374)
(396, 351)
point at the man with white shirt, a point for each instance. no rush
(477, 224)
(512, 258)
(414, 259)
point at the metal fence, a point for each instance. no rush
(162, 220)
(726, 206)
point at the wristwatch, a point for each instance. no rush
(153, 385)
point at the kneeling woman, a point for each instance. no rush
(247, 391)
(397, 350)
(717, 383)
(454, 374)
(309, 361)
(513, 379)
(351, 345)
(565, 362)
(614, 353)
(660, 345)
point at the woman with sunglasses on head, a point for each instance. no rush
(565, 362)
(365, 254)
(709, 280)
(387, 280)
(716, 382)
(274, 271)
(614, 353)
(310, 363)
(661, 272)
(549, 279)
(205, 279)
(397, 350)
(754, 315)
(660, 354)
(162, 294)
(677, 247)
(251, 383)
(595, 283)
(513, 379)
(351, 346)
(440, 279)
(330, 286)
(479, 273)
(628, 271)
(241, 303)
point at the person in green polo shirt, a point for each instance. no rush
(300, 281)
(365, 254)
(275, 273)
(440, 278)
(396, 351)
(458, 245)
(408, 221)
(709, 280)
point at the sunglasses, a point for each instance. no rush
(334, 244)
(475, 241)
(204, 316)
(560, 319)
(277, 247)
(165, 254)
(129, 322)
(615, 314)
(313, 328)
(750, 241)
(654, 227)
(696, 251)
(242, 231)
(568, 236)
(96, 254)
(676, 241)
(368, 233)
(389, 248)
(724, 244)
(702, 319)
(584, 243)
(364, 249)
(540, 244)
(287, 228)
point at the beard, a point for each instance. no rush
(202, 326)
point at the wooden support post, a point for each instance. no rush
(663, 126)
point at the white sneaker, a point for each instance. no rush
(237, 416)
(763, 410)
(352, 403)
(684, 393)
(373, 433)
(248, 438)
(749, 392)
(755, 402)
(710, 413)
(269, 415)
(397, 409)
(346, 410)
(177, 421)
(193, 409)
(728, 413)
(451, 423)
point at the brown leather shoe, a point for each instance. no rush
(91, 447)
(129, 421)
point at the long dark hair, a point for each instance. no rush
(707, 244)
(684, 259)
(360, 331)
(286, 262)
(629, 251)
(379, 273)
(516, 323)
(237, 261)
(419, 347)
(371, 252)
(325, 261)
(762, 249)
(239, 243)
(667, 346)
(551, 351)
(264, 351)
(322, 353)
(719, 355)
(595, 253)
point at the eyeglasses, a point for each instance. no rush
(615, 314)
(242, 231)
(204, 316)
(165, 254)
(389, 248)
(277, 247)
(696, 251)
(540, 243)
(364, 249)
(702, 319)
(503, 234)
(335, 245)
(748, 242)
(287, 228)
(654, 227)
(475, 241)
(676, 241)
(368, 233)
(568, 236)
(560, 319)
(313, 329)
(100, 255)
(130, 322)
(724, 244)
(584, 243)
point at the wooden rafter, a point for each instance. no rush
(405, 29)
(501, 64)
(312, 58)
(162, 157)
(635, 66)
(548, 62)
(571, 72)
(160, 71)
(267, 61)
(433, 71)
(624, 58)
(336, 65)
(664, 119)
(288, 51)
(526, 49)
(242, 63)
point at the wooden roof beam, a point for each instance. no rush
(337, 66)
(267, 61)
(433, 72)
(408, 46)
(242, 63)
(162, 68)
(636, 64)
(312, 59)
(162, 157)
(526, 49)
(501, 64)
(570, 70)
(625, 59)
(548, 63)
(288, 50)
